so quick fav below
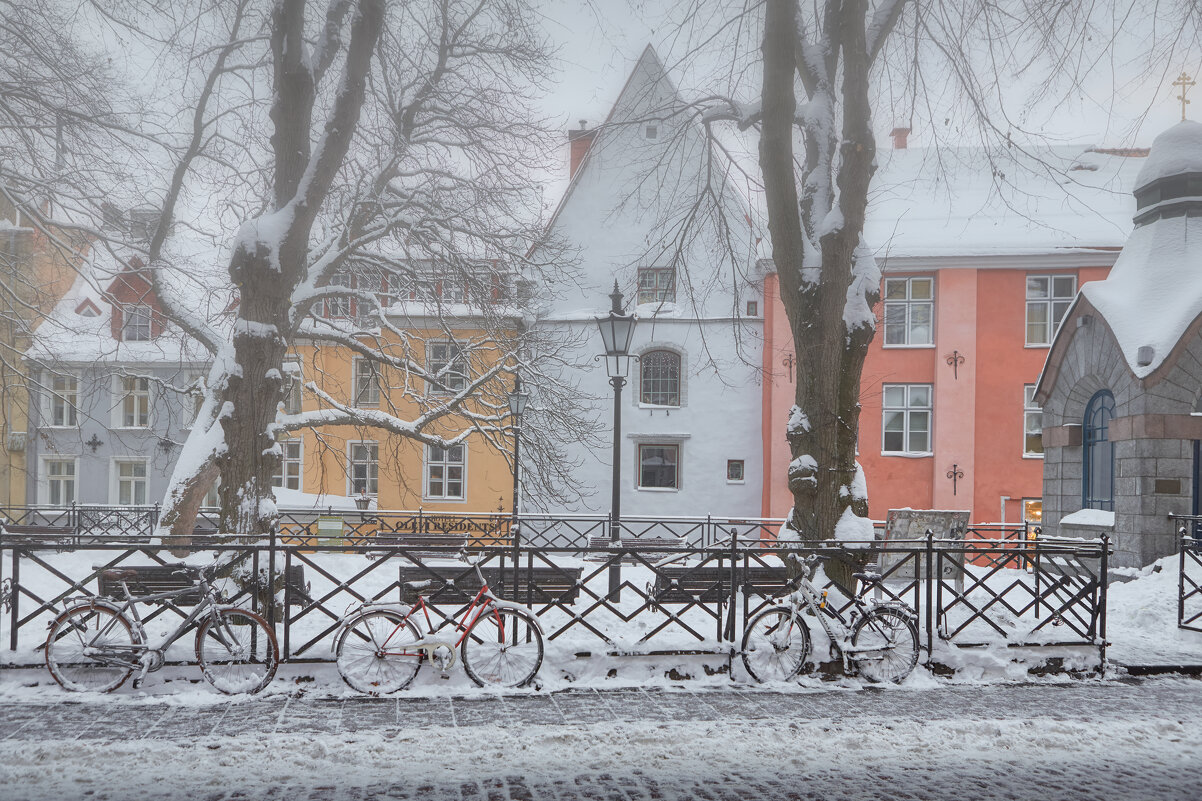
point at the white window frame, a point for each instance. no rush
(212, 500)
(742, 469)
(428, 465)
(638, 461)
(280, 479)
(435, 365)
(661, 289)
(339, 307)
(136, 319)
(46, 480)
(680, 365)
(907, 307)
(907, 410)
(1048, 302)
(69, 399)
(369, 384)
(294, 380)
(372, 476)
(1030, 410)
(120, 393)
(116, 480)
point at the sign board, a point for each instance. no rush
(909, 528)
(329, 528)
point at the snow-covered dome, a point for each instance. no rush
(1176, 151)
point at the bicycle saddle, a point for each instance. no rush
(115, 574)
(868, 577)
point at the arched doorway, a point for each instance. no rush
(1097, 475)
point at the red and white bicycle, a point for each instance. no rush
(379, 648)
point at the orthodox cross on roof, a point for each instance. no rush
(1185, 82)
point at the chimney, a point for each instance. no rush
(580, 141)
(899, 137)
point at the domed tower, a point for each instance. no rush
(1122, 384)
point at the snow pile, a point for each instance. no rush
(1141, 619)
(1089, 517)
(854, 531)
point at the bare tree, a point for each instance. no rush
(805, 79)
(305, 177)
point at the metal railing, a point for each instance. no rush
(1189, 567)
(994, 587)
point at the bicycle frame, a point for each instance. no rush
(128, 609)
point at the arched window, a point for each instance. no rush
(659, 383)
(1097, 479)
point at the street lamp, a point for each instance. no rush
(617, 330)
(363, 501)
(517, 405)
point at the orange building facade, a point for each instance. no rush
(947, 419)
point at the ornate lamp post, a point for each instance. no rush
(617, 330)
(517, 405)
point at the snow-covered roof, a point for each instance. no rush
(1177, 150)
(928, 202)
(1154, 290)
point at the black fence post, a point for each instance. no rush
(287, 604)
(929, 573)
(515, 534)
(1181, 575)
(1102, 597)
(15, 596)
(734, 583)
(271, 572)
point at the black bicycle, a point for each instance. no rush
(96, 643)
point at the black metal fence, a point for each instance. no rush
(1189, 579)
(675, 585)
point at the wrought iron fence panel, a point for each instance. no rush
(1189, 583)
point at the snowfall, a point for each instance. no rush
(992, 730)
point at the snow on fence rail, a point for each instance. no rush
(676, 585)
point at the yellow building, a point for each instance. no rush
(35, 273)
(397, 471)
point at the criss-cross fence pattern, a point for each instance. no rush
(1189, 579)
(593, 594)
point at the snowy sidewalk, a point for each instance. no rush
(1133, 739)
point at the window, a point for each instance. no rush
(753, 308)
(131, 482)
(289, 474)
(64, 401)
(1097, 483)
(367, 383)
(339, 305)
(658, 466)
(212, 499)
(657, 285)
(1048, 298)
(365, 468)
(292, 387)
(1032, 510)
(444, 472)
(909, 311)
(135, 326)
(60, 482)
(651, 131)
(734, 471)
(446, 363)
(907, 418)
(132, 409)
(1032, 423)
(659, 378)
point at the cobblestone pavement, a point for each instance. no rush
(1135, 739)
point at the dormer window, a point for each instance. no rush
(136, 325)
(87, 309)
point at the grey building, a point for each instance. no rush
(1121, 390)
(109, 406)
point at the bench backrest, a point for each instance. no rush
(540, 584)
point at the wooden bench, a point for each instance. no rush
(678, 584)
(457, 584)
(55, 534)
(599, 546)
(151, 579)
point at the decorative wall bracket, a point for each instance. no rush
(789, 361)
(954, 361)
(955, 474)
(94, 443)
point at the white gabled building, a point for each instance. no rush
(691, 423)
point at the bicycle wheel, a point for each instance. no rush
(76, 648)
(504, 647)
(375, 652)
(237, 650)
(776, 643)
(887, 645)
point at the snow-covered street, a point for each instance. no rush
(1132, 739)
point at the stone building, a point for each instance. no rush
(1121, 390)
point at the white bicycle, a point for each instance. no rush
(879, 642)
